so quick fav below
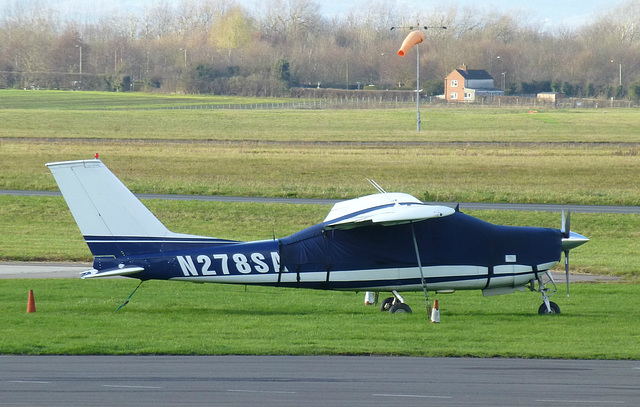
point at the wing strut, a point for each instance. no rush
(424, 282)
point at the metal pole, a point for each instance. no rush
(80, 67)
(620, 73)
(347, 75)
(418, 85)
(185, 56)
(418, 72)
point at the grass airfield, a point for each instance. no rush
(483, 155)
(78, 317)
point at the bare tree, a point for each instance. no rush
(216, 45)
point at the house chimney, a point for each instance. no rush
(463, 67)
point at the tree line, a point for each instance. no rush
(221, 47)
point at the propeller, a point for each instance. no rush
(566, 233)
(570, 240)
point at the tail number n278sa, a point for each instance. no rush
(227, 264)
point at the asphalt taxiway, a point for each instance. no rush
(314, 381)
(463, 205)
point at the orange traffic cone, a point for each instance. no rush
(31, 303)
(435, 312)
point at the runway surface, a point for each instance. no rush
(313, 381)
(463, 205)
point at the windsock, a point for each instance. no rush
(414, 37)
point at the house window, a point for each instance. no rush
(454, 95)
(454, 83)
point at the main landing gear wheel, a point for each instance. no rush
(392, 305)
(386, 304)
(400, 307)
(555, 309)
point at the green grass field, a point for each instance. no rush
(72, 100)
(478, 155)
(462, 154)
(78, 317)
(117, 116)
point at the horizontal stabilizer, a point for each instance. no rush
(125, 271)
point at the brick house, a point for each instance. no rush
(463, 85)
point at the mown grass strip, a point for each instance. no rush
(78, 317)
(92, 115)
(580, 174)
(88, 100)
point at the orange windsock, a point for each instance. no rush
(414, 37)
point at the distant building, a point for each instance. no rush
(550, 97)
(464, 85)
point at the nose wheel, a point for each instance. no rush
(547, 307)
(552, 309)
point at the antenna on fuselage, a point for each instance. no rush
(376, 186)
(381, 190)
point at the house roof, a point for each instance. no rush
(474, 74)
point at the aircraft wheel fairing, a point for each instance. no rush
(555, 309)
(386, 304)
(400, 307)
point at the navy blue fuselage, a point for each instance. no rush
(456, 252)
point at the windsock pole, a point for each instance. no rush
(415, 38)
(418, 86)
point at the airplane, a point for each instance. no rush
(384, 242)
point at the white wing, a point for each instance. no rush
(382, 209)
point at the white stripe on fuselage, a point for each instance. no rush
(455, 277)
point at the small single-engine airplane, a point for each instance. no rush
(381, 242)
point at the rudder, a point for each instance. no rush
(111, 218)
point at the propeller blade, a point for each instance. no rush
(566, 224)
(570, 240)
(566, 269)
(566, 234)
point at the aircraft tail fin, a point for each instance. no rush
(111, 218)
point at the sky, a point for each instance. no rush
(549, 14)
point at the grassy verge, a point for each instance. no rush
(96, 115)
(77, 317)
(584, 174)
(303, 153)
(87, 100)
